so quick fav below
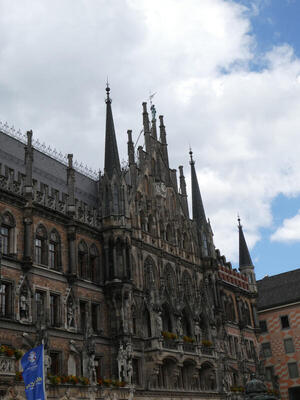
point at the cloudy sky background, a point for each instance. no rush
(227, 80)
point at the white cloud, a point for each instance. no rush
(289, 231)
(243, 125)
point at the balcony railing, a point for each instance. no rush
(189, 347)
(170, 344)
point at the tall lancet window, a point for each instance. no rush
(115, 199)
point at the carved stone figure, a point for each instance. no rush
(158, 322)
(24, 304)
(179, 329)
(197, 332)
(121, 358)
(92, 369)
(70, 313)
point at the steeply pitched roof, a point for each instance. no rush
(244, 255)
(112, 161)
(279, 289)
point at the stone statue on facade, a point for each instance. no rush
(197, 331)
(158, 323)
(121, 359)
(179, 329)
(24, 304)
(70, 313)
(92, 370)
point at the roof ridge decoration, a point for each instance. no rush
(49, 151)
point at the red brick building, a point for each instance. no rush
(279, 318)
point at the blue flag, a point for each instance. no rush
(33, 373)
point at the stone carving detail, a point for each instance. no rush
(7, 366)
(24, 303)
(70, 313)
(124, 359)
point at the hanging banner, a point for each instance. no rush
(33, 373)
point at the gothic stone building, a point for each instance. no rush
(116, 277)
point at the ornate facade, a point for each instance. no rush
(123, 286)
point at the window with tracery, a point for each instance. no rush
(54, 250)
(7, 233)
(94, 264)
(83, 260)
(40, 248)
(187, 285)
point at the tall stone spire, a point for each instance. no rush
(244, 255)
(112, 161)
(198, 209)
(246, 266)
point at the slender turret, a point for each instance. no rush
(245, 265)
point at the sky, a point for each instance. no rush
(227, 79)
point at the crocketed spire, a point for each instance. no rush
(198, 209)
(112, 161)
(245, 258)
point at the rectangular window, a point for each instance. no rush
(266, 348)
(5, 240)
(83, 319)
(95, 317)
(135, 371)
(55, 363)
(54, 310)
(40, 305)
(284, 322)
(269, 372)
(6, 300)
(263, 326)
(38, 251)
(293, 370)
(289, 345)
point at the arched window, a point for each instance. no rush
(115, 199)
(150, 274)
(204, 244)
(147, 323)
(185, 242)
(187, 285)
(169, 233)
(40, 249)
(8, 233)
(166, 318)
(170, 280)
(143, 222)
(151, 226)
(162, 230)
(119, 258)
(82, 260)
(94, 264)
(54, 251)
(186, 325)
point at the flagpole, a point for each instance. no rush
(45, 393)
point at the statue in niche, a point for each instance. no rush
(158, 323)
(24, 303)
(92, 369)
(197, 332)
(70, 313)
(179, 329)
(121, 358)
